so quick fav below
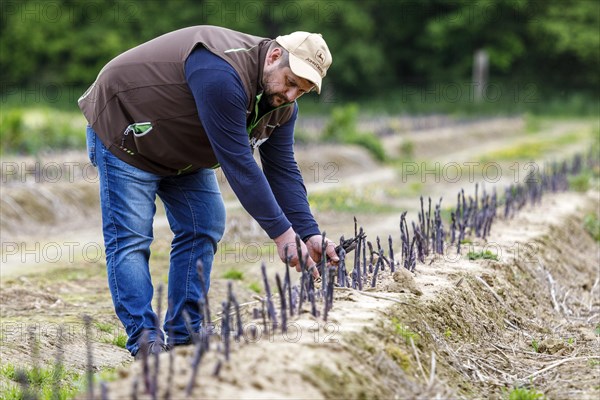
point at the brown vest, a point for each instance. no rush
(148, 84)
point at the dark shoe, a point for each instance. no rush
(151, 348)
(186, 343)
(194, 338)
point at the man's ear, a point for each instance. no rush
(273, 55)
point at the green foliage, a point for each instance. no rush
(525, 151)
(448, 333)
(570, 29)
(485, 255)
(535, 345)
(535, 48)
(12, 129)
(114, 337)
(542, 55)
(533, 124)
(234, 274)
(255, 287)
(369, 142)
(342, 122)
(342, 127)
(104, 327)
(44, 383)
(591, 223)
(346, 200)
(428, 42)
(533, 149)
(40, 129)
(120, 340)
(580, 183)
(524, 394)
(404, 332)
(67, 43)
(407, 150)
(399, 356)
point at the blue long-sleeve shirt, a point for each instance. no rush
(275, 197)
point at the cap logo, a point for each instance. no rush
(314, 64)
(320, 56)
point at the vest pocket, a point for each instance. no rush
(139, 129)
(144, 137)
(133, 131)
(153, 141)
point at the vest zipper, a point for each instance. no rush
(255, 122)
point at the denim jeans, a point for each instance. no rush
(196, 215)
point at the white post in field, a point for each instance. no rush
(480, 73)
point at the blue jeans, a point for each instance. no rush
(196, 215)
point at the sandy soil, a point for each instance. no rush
(454, 315)
(472, 324)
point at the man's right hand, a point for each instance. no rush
(288, 240)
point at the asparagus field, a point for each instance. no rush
(485, 293)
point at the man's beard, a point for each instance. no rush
(276, 99)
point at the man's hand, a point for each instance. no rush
(314, 245)
(288, 241)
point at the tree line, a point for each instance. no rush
(378, 46)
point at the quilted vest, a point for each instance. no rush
(144, 112)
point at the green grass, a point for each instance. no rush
(409, 100)
(370, 142)
(404, 332)
(116, 338)
(255, 287)
(104, 327)
(399, 356)
(120, 340)
(533, 149)
(524, 394)
(417, 101)
(233, 274)
(525, 151)
(29, 131)
(580, 183)
(39, 127)
(407, 149)
(485, 255)
(48, 383)
(535, 345)
(44, 383)
(342, 128)
(347, 200)
(78, 271)
(533, 123)
(415, 187)
(591, 224)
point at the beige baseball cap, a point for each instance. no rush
(309, 55)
